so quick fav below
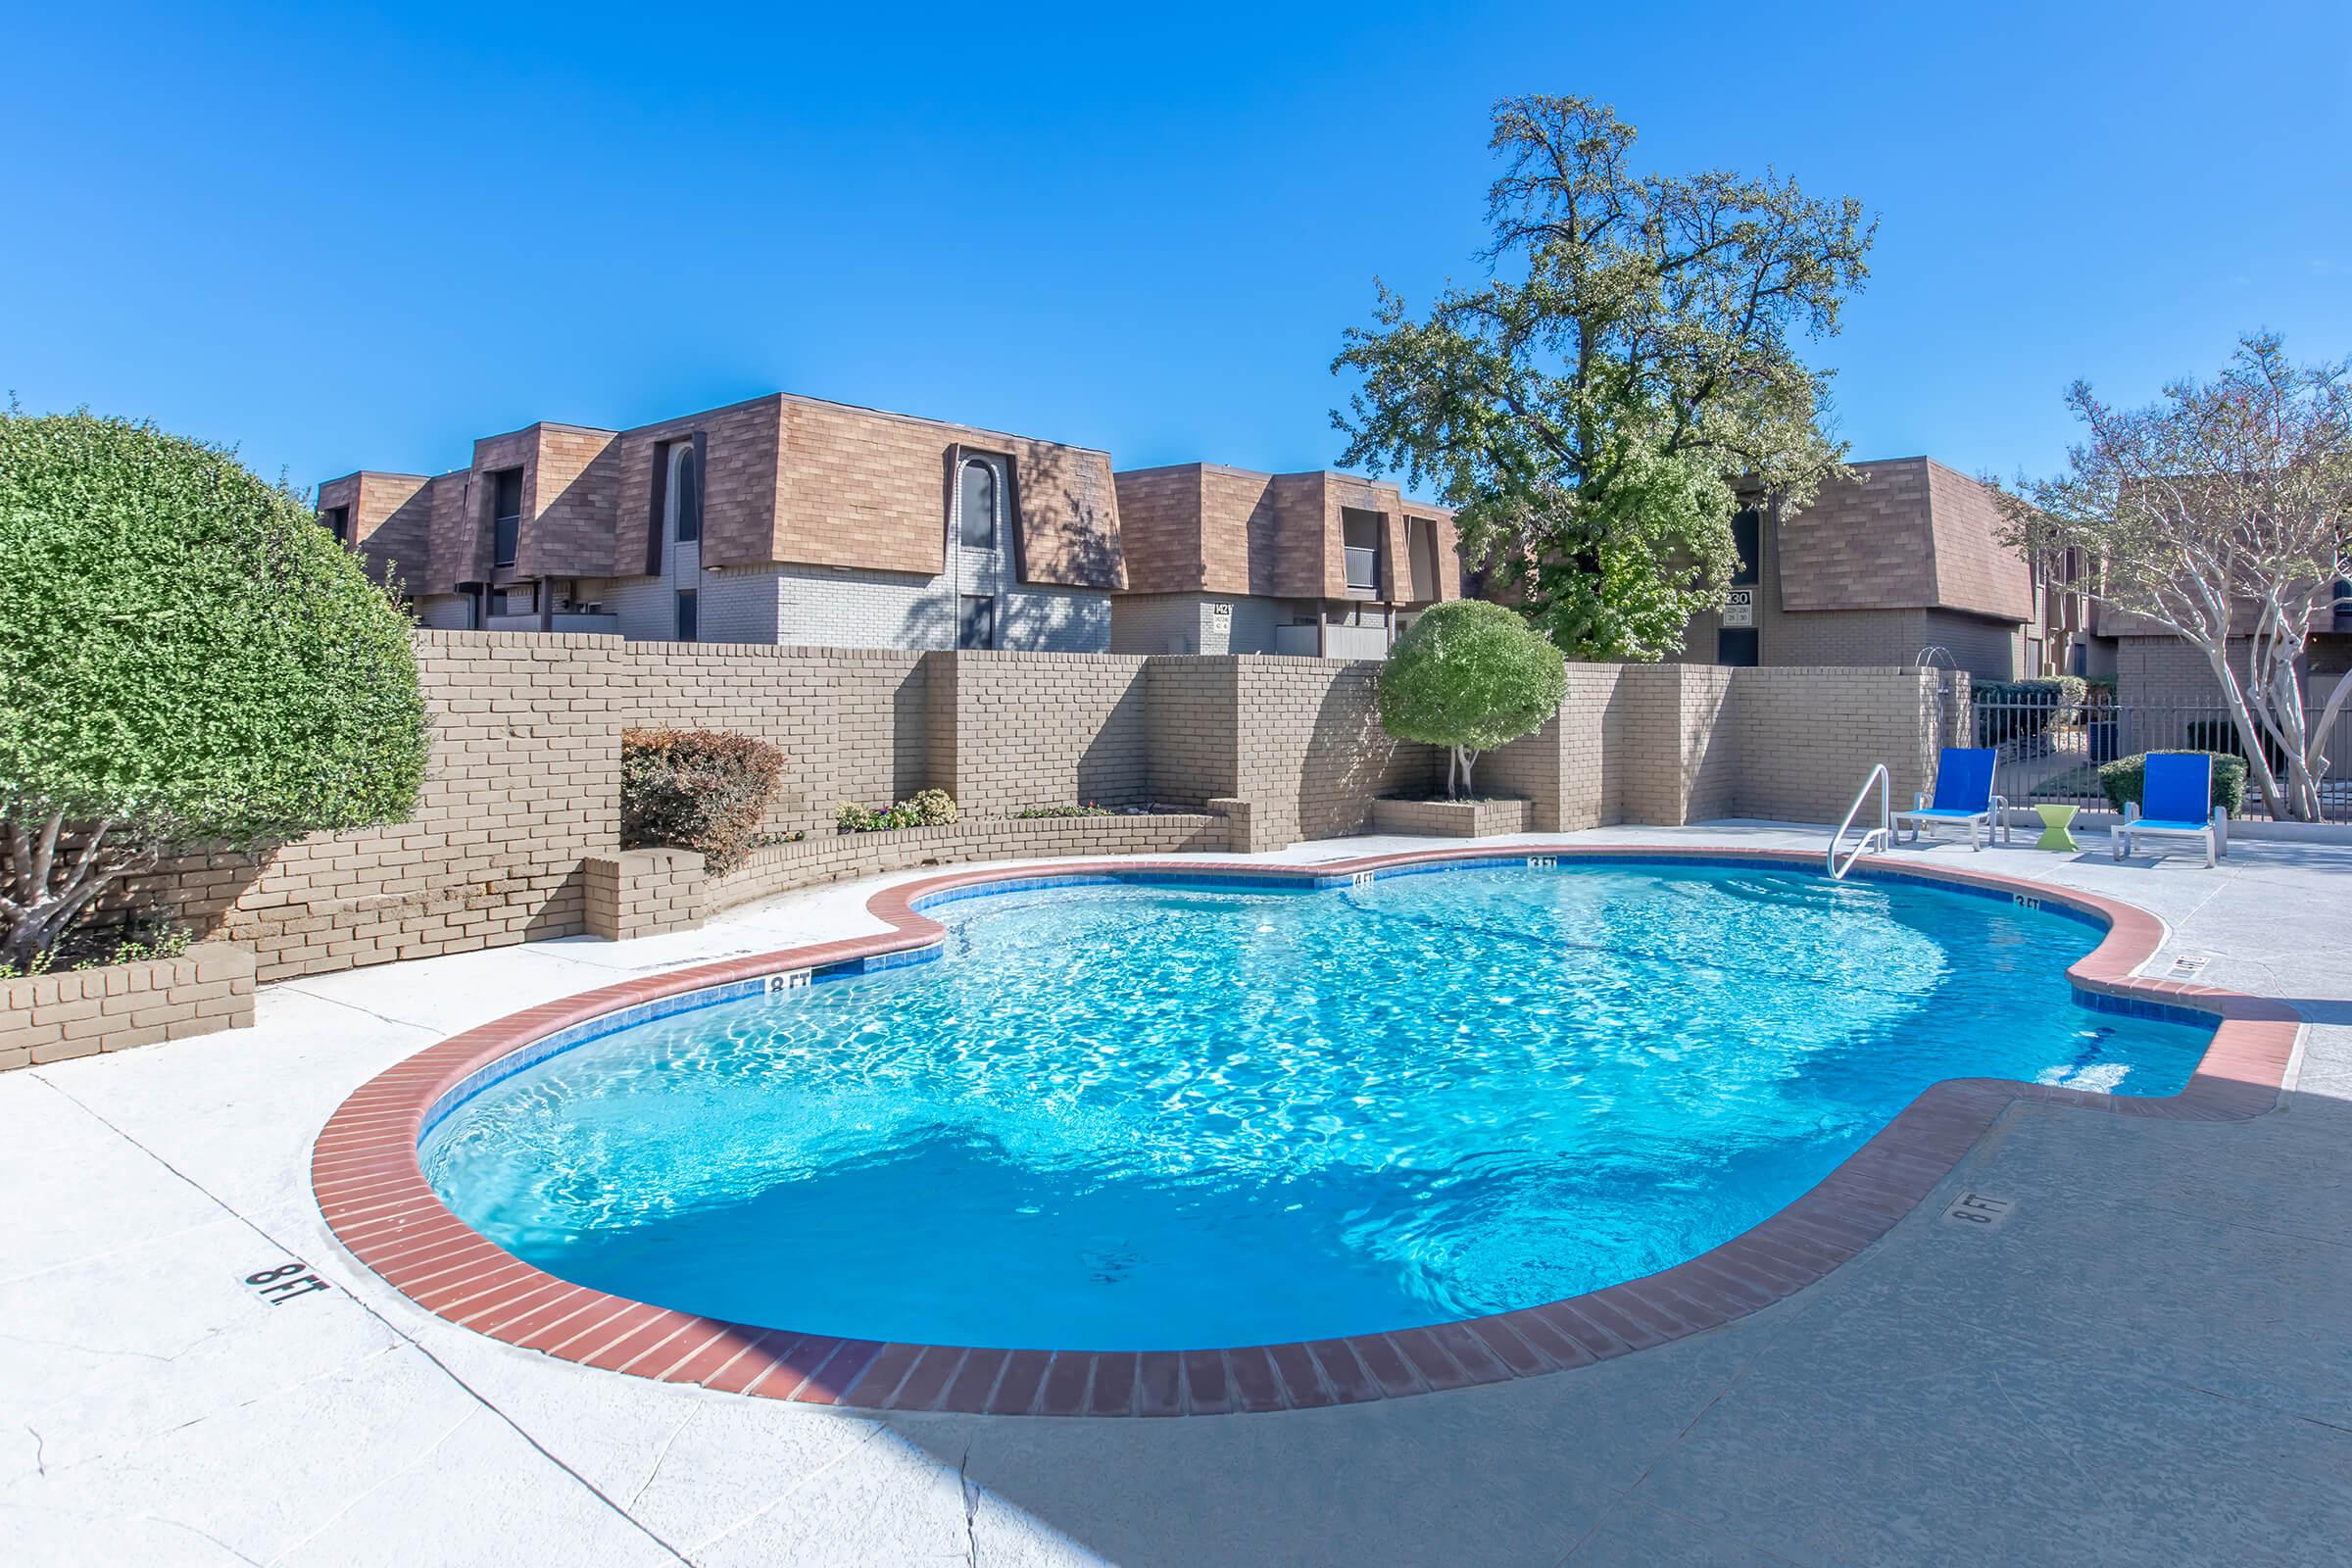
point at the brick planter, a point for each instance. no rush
(643, 893)
(54, 1017)
(1449, 820)
(835, 857)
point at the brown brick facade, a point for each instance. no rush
(1882, 571)
(788, 480)
(1200, 527)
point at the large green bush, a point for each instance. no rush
(2125, 778)
(696, 788)
(184, 654)
(1470, 677)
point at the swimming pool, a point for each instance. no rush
(1164, 1117)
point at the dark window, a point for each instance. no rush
(1735, 645)
(976, 506)
(683, 494)
(1360, 548)
(686, 616)
(1747, 533)
(976, 623)
(1421, 543)
(506, 515)
(338, 523)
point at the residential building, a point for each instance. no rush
(1227, 561)
(1901, 565)
(2155, 667)
(783, 519)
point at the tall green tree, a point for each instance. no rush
(185, 656)
(1631, 360)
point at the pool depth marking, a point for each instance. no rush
(375, 1197)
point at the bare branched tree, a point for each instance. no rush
(2221, 513)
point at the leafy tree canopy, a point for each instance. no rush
(1589, 408)
(1470, 677)
(184, 654)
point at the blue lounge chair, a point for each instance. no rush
(1964, 798)
(2176, 800)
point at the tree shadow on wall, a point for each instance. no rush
(1075, 545)
(1350, 760)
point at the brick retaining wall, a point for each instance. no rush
(1450, 819)
(839, 856)
(520, 816)
(54, 1017)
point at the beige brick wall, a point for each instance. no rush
(1192, 727)
(838, 857)
(523, 782)
(55, 1018)
(643, 893)
(1571, 771)
(1807, 738)
(519, 818)
(1025, 729)
(1667, 744)
(1310, 755)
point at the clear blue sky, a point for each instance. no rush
(349, 236)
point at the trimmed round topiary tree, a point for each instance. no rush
(1469, 676)
(185, 656)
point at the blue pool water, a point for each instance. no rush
(1146, 1117)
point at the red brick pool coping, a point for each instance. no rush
(375, 1199)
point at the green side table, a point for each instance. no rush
(2055, 820)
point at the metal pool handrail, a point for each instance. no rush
(1881, 836)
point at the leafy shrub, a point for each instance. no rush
(1090, 809)
(2020, 710)
(185, 656)
(1471, 677)
(923, 809)
(696, 788)
(2125, 778)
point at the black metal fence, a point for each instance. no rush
(2051, 749)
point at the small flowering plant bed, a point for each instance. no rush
(924, 808)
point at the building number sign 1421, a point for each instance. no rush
(1739, 608)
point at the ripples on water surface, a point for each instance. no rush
(1159, 1117)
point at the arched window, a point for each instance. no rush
(976, 506)
(682, 496)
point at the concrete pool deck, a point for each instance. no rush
(2149, 1358)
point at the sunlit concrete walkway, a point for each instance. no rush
(2149, 1361)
